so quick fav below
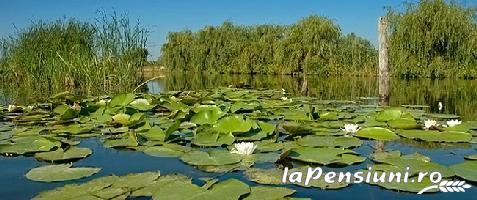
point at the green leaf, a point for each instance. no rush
(234, 124)
(377, 133)
(388, 115)
(68, 154)
(329, 141)
(466, 170)
(54, 173)
(212, 157)
(268, 193)
(122, 100)
(403, 123)
(207, 116)
(212, 139)
(325, 156)
(167, 150)
(436, 136)
(65, 112)
(231, 189)
(29, 144)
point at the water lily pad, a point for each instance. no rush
(212, 157)
(411, 186)
(377, 133)
(155, 134)
(265, 130)
(395, 162)
(329, 116)
(177, 190)
(441, 116)
(29, 144)
(53, 173)
(167, 150)
(228, 189)
(128, 141)
(151, 188)
(388, 115)
(325, 156)
(268, 193)
(141, 105)
(436, 136)
(62, 155)
(207, 116)
(65, 112)
(212, 139)
(78, 191)
(122, 100)
(329, 141)
(403, 123)
(466, 170)
(233, 124)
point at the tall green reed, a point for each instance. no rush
(86, 58)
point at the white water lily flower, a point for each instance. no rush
(351, 128)
(283, 91)
(453, 123)
(11, 108)
(430, 123)
(140, 101)
(243, 148)
(284, 98)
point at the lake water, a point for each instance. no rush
(457, 96)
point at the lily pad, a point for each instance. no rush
(166, 150)
(207, 116)
(466, 170)
(325, 156)
(329, 141)
(54, 173)
(212, 157)
(377, 133)
(403, 123)
(122, 100)
(29, 144)
(388, 115)
(436, 136)
(233, 124)
(268, 193)
(68, 154)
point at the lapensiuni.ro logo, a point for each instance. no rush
(370, 176)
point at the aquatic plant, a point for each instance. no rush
(87, 58)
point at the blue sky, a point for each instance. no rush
(163, 16)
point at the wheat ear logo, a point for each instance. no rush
(448, 186)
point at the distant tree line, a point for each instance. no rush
(431, 38)
(314, 45)
(434, 38)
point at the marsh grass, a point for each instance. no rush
(87, 58)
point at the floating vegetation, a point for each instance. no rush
(220, 131)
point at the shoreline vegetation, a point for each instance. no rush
(431, 38)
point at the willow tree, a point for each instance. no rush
(312, 45)
(433, 38)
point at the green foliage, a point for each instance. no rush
(434, 38)
(314, 45)
(48, 57)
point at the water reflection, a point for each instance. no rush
(457, 96)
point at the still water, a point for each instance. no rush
(457, 97)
